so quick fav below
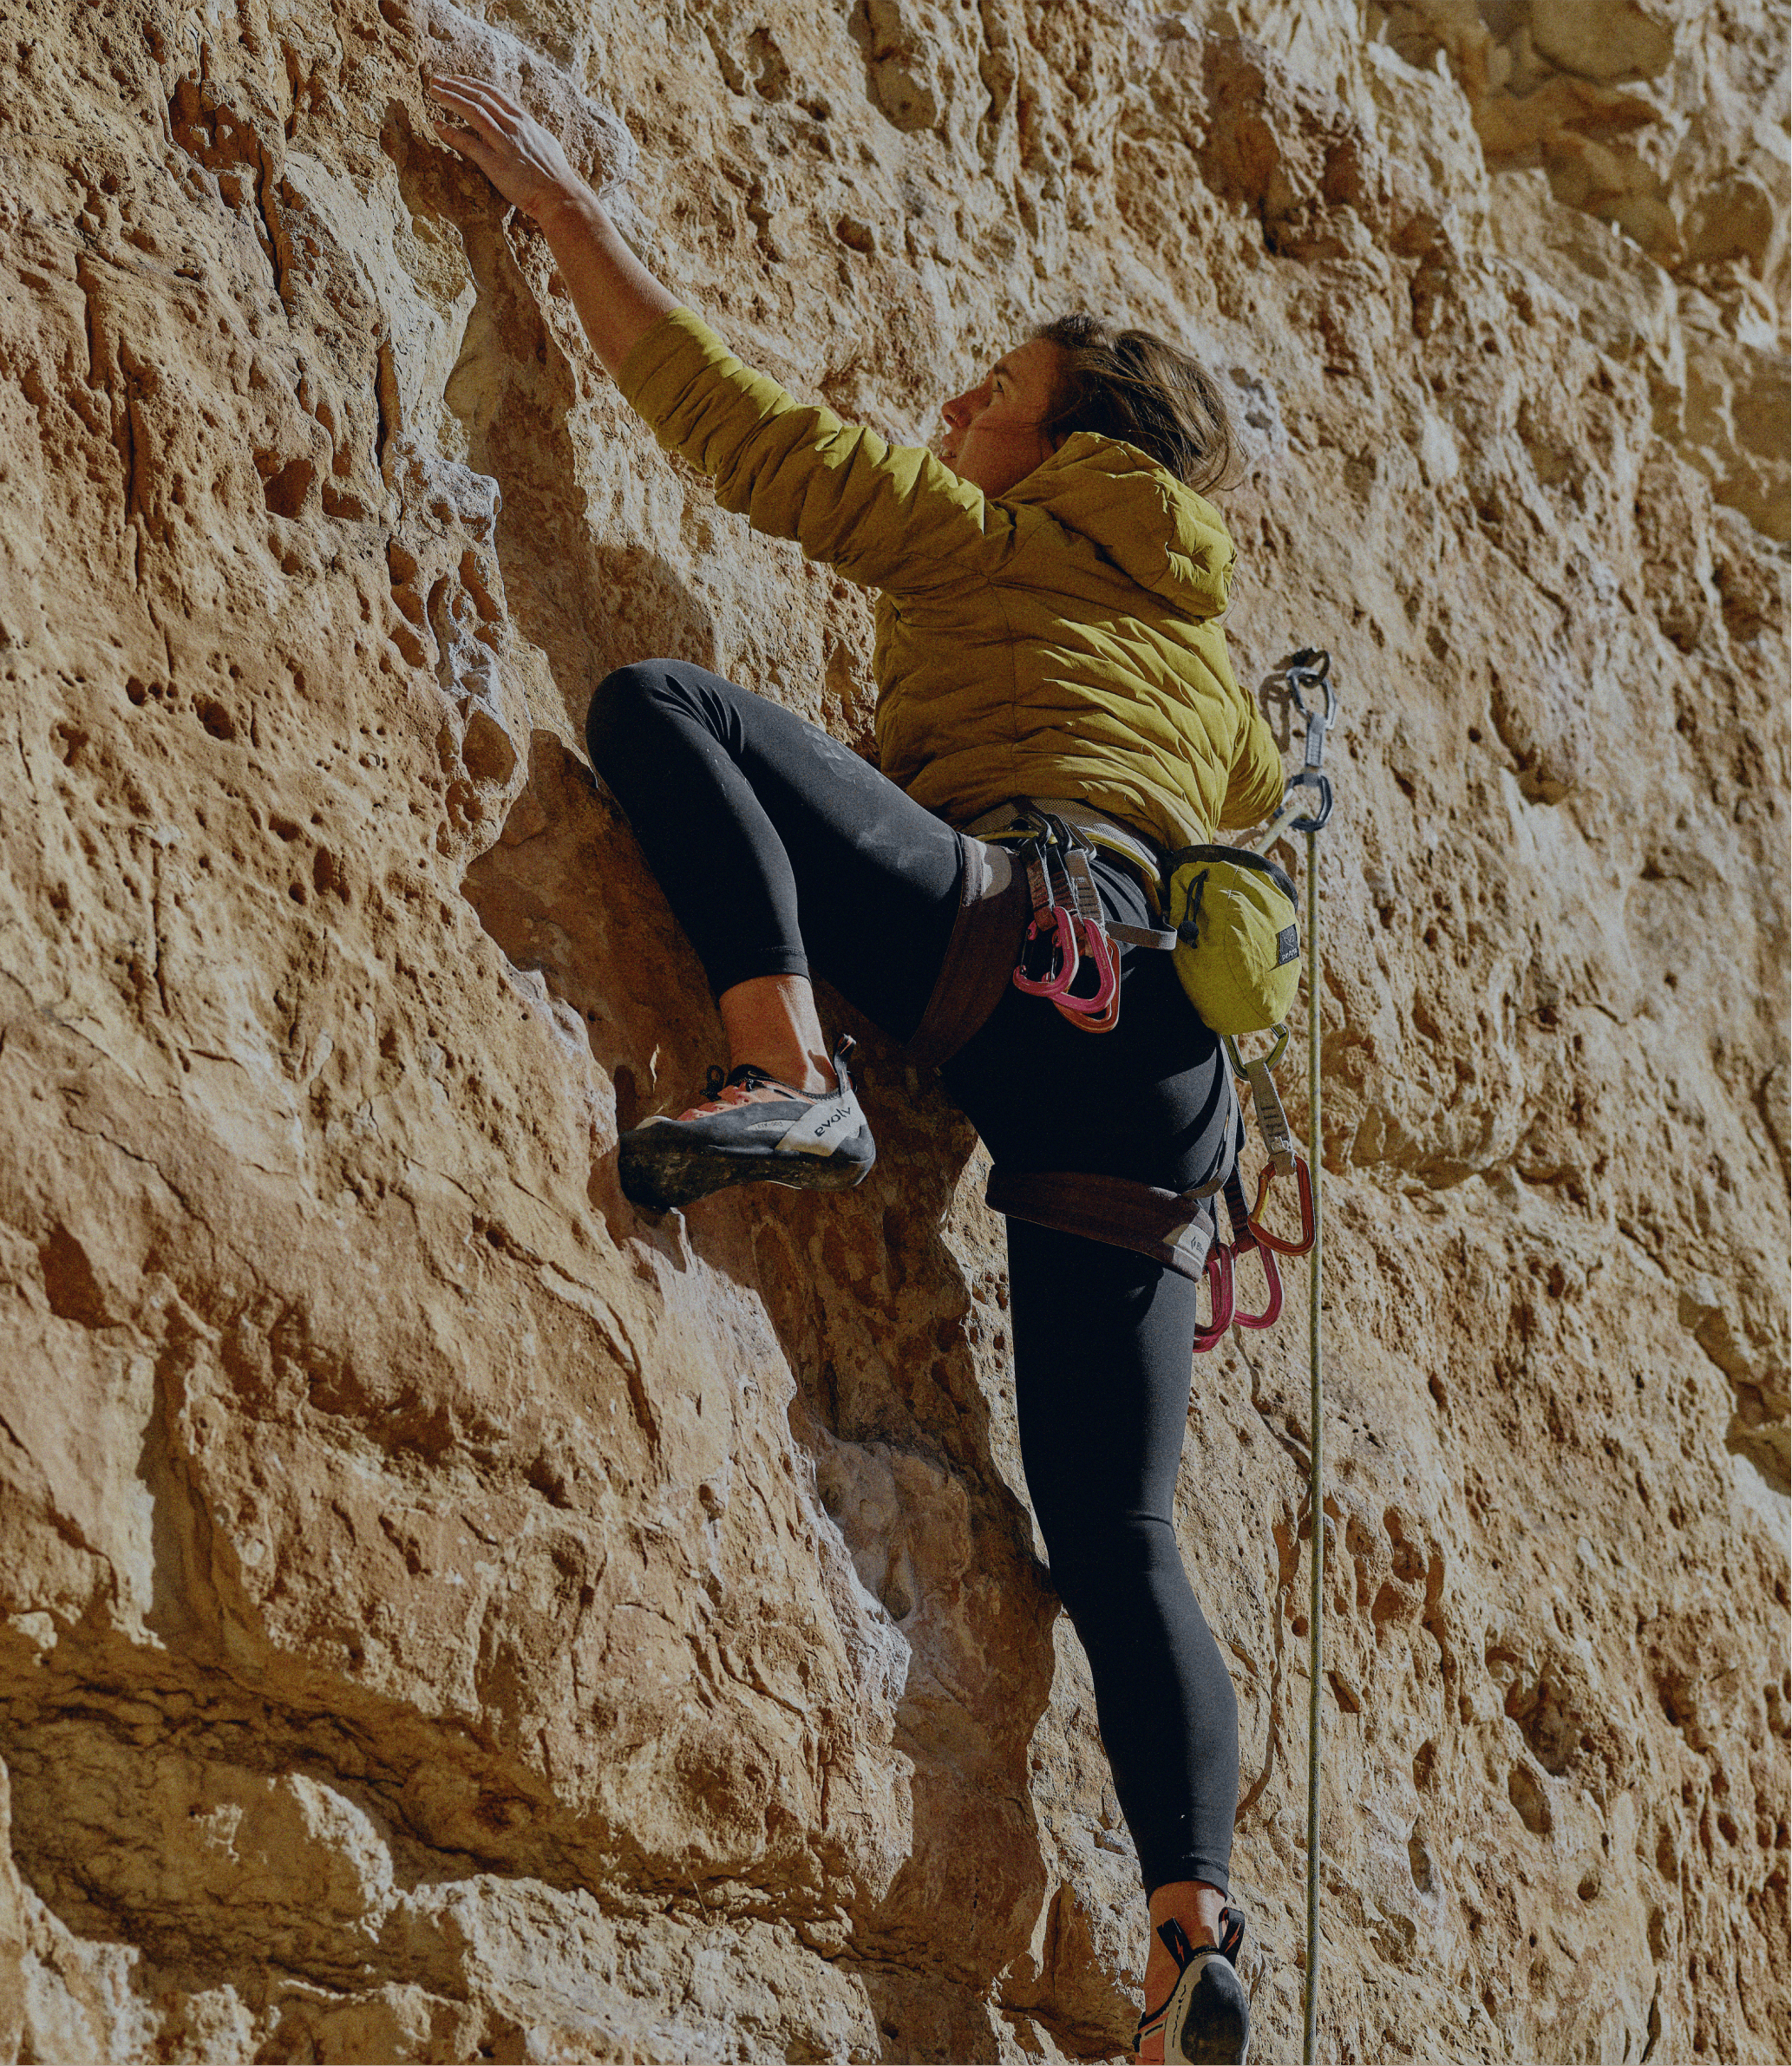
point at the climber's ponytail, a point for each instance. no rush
(1130, 384)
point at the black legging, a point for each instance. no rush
(780, 850)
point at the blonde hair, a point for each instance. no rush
(1130, 384)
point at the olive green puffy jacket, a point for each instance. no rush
(1061, 640)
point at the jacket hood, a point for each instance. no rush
(1158, 532)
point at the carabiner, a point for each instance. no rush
(1272, 1276)
(1060, 969)
(1311, 778)
(1219, 1275)
(1303, 1181)
(1240, 1068)
(1311, 668)
(1100, 1010)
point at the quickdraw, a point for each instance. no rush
(1278, 1145)
(1067, 955)
(1248, 1232)
(1308, 675)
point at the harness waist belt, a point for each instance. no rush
(1095, 826)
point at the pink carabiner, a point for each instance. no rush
(1098, 1012)
(1219, 1276)
(1303, 1181)
(1272, 1278)
(1065, 959)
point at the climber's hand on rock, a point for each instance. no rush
(522, 159)
(617, 298)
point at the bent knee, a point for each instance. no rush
(619, 699)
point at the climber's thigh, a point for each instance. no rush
(876, 876)
(1102, 1371)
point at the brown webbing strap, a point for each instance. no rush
(994, 907)
(1172, 1228)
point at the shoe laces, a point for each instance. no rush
(746, 1077)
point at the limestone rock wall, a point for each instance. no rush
(446, 1615)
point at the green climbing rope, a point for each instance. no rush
(1316, 1482)
(1308, 674)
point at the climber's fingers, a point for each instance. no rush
(481, 100)
(522, 159)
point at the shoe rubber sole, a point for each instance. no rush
(1215, 2021)
(668, 1174)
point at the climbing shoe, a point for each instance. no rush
(820, 1142)
(1207, 2015)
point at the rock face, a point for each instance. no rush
(447, 1615)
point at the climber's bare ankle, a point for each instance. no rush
(1195, 1905)
(771, 1023)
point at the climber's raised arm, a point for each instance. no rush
(617, 299)
(886, 516)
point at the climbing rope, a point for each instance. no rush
(1308, 672)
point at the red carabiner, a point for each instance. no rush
(1303, 1179)
(1065, 959)
(1219, 1276)
(1098, 1012)
(1272, 1278)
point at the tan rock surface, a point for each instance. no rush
(446, 1615)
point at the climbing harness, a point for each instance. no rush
(994, 909)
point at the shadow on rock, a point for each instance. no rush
(870, 1307)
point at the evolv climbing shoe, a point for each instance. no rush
(1207, 2016)
(820, 1142)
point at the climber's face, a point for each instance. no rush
(992, 435)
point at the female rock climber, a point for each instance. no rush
(1049, 591)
